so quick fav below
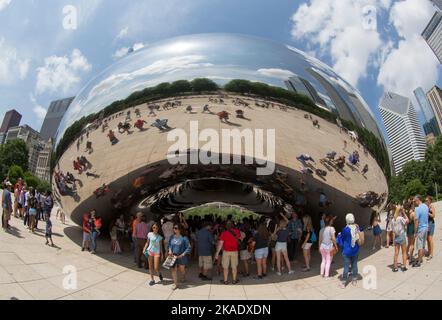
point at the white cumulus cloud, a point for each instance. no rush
(38, 110)
(411, 63)
(276, 73)
(4, 4)
(124, 51)
(61, 73)
(340, 28)
(12, 66)
(123, 33)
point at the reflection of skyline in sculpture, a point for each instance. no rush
(302, 86)
(220, 57)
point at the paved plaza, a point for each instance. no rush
(31, 270)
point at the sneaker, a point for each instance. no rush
(93, 252)
(395, 269)
(291, 272)
(342, 285)
(278, 273)
(152, 283)
(404, 269)
(82, 249)
(161, 277)
(306, 270)
(354, 283)
(174, 287)
(201, 276)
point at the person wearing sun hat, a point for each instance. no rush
(348, 240)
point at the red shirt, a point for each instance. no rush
(230, 242)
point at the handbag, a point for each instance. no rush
(169, 262)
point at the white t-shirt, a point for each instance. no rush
(399, 225)
(327, 235)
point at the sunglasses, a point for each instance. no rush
(175, 228)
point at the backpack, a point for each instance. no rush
(313, 237)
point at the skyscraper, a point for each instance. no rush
(431, 128)
(433, 34)
(437, 3)
(56, 111)
(12, 119)
(33, 141)
(405, 136)
(435, 98)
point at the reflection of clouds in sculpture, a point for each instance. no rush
(219, 57)
(167, 66)
(276, 73)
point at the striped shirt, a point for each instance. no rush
(141, 230)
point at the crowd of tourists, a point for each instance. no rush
(228, 248)
(27, 204)
(410, 229)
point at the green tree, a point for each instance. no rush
(181, 86)
(413, 188)
(14, 152)
(31, 180)
(203, 84)
(14, 173)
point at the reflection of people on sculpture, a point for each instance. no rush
(139, 124)
(304, 158)
(128, 118)
(89, 147)
(77, 166)
(137, 113)
(161, 124)
(105, 126)
(365, 170)
(122, 128)
(101, 191)
(223, 116)
(354, 158)
(151, 111)
(112, 137)
(93, 175)
(316, 124)
(240, 114)
(206, 109)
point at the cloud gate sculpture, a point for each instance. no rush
(219, 118)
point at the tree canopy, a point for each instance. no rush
(13, 152)
(419, 177)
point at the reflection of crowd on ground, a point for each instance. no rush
(28, 204)
(410, 226)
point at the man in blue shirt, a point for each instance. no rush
(6, 205)
(204, 238)
(420, 228)
(295, 231)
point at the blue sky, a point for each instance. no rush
(41, 61)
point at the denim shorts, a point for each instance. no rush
(262, 253)
(431, 228)
(400, 239)
(281, 246)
